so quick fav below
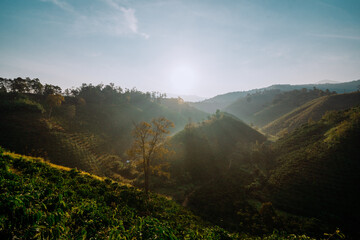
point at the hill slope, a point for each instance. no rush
(224, 100)
(202, 150)
(317, 170)
(264, 107)
(312, 110)
(39, 201)
(88, 131)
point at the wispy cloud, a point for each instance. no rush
(122, 21)
(131, 21)
(337, 36)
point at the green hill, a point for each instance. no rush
(344, 87)
(90, 130)
(311, 111)
(264, 107)
(317, 168)
(221, 169)
(223, 101)
(247, 107)
(42, 201)
(203, 149)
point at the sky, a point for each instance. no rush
(187, 47)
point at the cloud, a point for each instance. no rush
(131, 21)
(122, 21)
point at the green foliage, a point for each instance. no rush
(90, 130)
(19, 103)
(38, 201)
(42, 202)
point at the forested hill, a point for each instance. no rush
(88, 127)
(317, 169)
(311, 111)
(203, 149)
(224, 100)
(264, 107)
(222, 169)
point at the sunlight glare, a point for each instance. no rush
(183, 79)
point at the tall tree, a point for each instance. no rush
(149, 145)
(54, 100)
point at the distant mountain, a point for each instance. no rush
(311, 111)
(246, 108)
(326, 81)
(222, 101)
(344, 87)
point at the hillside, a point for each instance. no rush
(223, 101)
(203, 149)
(39, 201)
(247, 107)
(219, 102)
(344, 87)
(311, 111)
(42, 201)
(263, 107)
(215, 171)
(220, 168)
(317, 168)
(90, 130)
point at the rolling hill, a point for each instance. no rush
(203, 149)
(222, 169)
(223, 101)
(42, 201)
(264, 107)
(39, 200)
(90, 130)
(313, 111)
(317, 168)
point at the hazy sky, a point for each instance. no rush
(186, 47)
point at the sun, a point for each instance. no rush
(183, 79)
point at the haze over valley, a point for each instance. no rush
(179, 119)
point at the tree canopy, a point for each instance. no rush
(149, 145)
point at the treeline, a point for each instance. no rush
(109, 94)
(298, 97)
(27, 85)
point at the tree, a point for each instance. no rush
(51, 89)
(149, 145)
(54, 100)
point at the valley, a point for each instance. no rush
(270, 160)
